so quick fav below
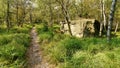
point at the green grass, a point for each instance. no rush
(72, 52)
(13, 46)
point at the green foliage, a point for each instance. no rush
(46, 36)
(45, 33)
(22, 39)
(78, 60)
(71, 45)
(13, 45)
(71, 52)
(5, 39)
(12, 51)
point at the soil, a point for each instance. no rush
(34, 55)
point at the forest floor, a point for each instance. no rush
(34, 54)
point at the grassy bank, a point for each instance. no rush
(13, 45)
(72, 52)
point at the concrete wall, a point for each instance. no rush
(82, 27)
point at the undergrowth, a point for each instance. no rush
(72, 52)
(13, 46)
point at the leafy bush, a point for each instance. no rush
(71, 45)
(79, 59)
(13, 46)
(71, 52)
(58, 37)
(19, 30)
(64, 50)
(5, 39)
(12, 51)
(46, 37)
(22, 39)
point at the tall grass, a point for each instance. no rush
(72, 52)
(13, 46)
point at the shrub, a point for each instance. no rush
(19, 30)
(71, 52)
(5, 39)
(65, 49)
(22, 39)
(13, 46)
(58, 54)
(79, 59)
(12, 51)
(71, 45)
(46, 37)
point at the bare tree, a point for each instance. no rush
(116, 27)
(103, 17)
(20, 7)
(30, 10)
(8, 14)
(51, 13)
(104, 14)
(111, 20)
(17, 13)
(64, 4)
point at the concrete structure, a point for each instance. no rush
(82, 27)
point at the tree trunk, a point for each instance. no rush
(104, 15)
(67, 19)
(116, 27)
(31, 15)
(17, 9)
(30, 12)
(101, 28)
(66, 15)
(8, 14)
(24, 13)
(111, 20)
(51, 13)
(101, 18)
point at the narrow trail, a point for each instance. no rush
(34, 56)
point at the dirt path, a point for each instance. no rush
(33, 53)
